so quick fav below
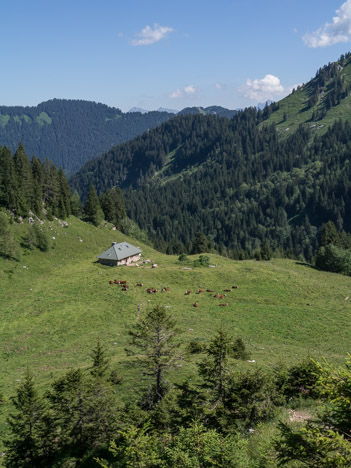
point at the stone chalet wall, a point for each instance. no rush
(129, 260)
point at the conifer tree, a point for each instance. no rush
(92, 210)
(154, 338)
(28, 443)
(76, 205)
(8, 183)
(24, 179)
(100, 363)
(214, 368)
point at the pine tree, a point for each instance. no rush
(112, 204)
(24, 179)
(100, 363)
(154, 338)
(214, 368)
(92, 210)
(76, 205)
(200, 244)
(29, 443)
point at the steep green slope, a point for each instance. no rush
(71, 132)
(318, 103)
(275, 174)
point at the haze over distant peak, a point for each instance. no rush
(138, 109)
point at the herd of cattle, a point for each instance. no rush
(217, 295)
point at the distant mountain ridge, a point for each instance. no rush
(72, 132)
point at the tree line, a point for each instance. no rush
(37, 191)
(204, 420)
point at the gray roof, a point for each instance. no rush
(119, 251)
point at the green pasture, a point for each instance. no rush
(56, 304)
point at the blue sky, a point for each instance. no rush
(171, 54)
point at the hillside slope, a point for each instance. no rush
(275, 174)
(56, 304)
(70, 132)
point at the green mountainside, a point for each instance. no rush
(278, 173)
(56, 304)
(70, 132)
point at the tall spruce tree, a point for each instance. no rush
(92, 210)
(24, 179)
(154, 340)
(214, 368)
(30, 441)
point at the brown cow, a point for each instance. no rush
(223, 305)
(139, 284)
(216, 295)
(196, 304)
(111, 282)
(165, 289)
(209, 290)
(222, 296)
(226, 290)
(234, 287)
(199, 291)
(187, 292)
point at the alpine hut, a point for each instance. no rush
(120, 254)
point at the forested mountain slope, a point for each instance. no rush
(70, 132)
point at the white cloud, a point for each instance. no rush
(181, 93)
(332, 33)
(149, 36)
(219, 86)
(267, 88)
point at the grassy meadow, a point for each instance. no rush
(56, 304)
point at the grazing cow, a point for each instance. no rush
(125, 288)
(196, 304)
(111, 282)
(199, 291)
(187, 292)
(226, 290)
(223, 305)
(165, 289)
(209, 290)
(123, 282)
(234, 287)
(216, 295)
(139, 284)
(222, 296)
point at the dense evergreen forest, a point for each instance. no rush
(243, 182)
(234, 180)
(38, 191)
(70, 132)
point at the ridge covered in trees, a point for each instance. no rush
(70, 132)
(234, 180)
